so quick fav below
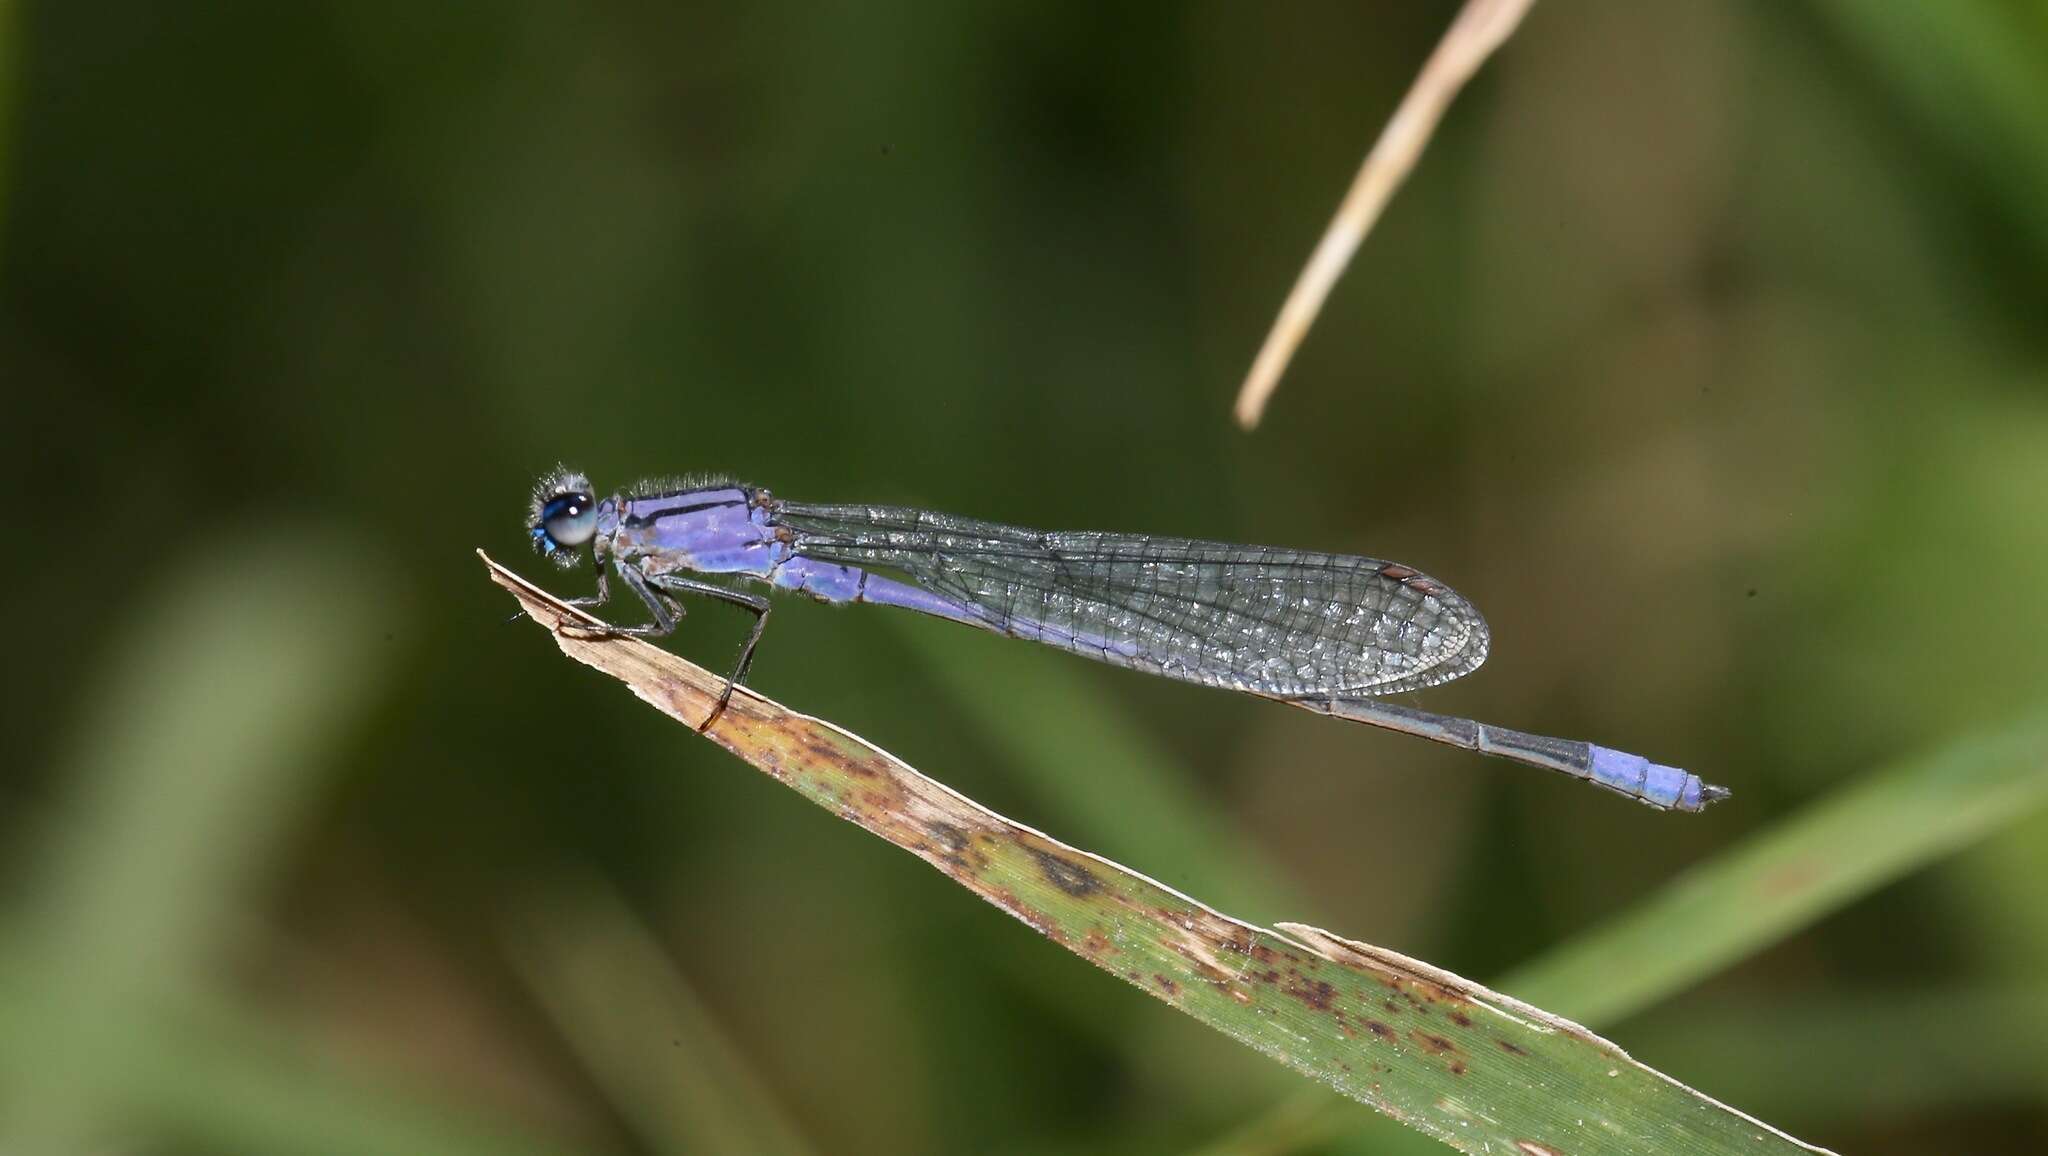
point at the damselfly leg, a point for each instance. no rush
(655, 591)
(754, 602)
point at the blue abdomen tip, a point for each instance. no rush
(1654, 783)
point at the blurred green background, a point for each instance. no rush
(1704, 352)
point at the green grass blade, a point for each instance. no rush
(1477, 1070)
(1972, 1046)
(10, 83)
(1865, 836)
(209, 1075)
(601, 975)
(196, 753)
(1970, 72)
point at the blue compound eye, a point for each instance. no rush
(569, 520)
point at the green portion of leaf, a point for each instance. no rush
(1477, 1070)
(1842, 848)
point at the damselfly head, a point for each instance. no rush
(564, 515)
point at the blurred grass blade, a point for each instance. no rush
(1974, 1046)
(10, 83)
(1970, 72)
(1477, 1070)
(1480, 28)
(643, 1033)
(195, 755)
(1840, 849)
(1299, 1123)
(211, 1076)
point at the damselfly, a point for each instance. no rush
(1331, 633)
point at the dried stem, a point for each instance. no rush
(1481, 27)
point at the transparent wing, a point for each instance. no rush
(1285, 623)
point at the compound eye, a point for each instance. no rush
(569, 519)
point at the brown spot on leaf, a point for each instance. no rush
(956, 848)
(1379, 1029)
(1166, 983)
(826, 754)
(951, 837)
(1097, 943)
(1460, 1018)
(1457, 1067)
(1065, 874)
(1436, 1044)
(1314, 993)
(1511, 1049)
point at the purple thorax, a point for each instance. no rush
(716, 531)
(731, 530)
